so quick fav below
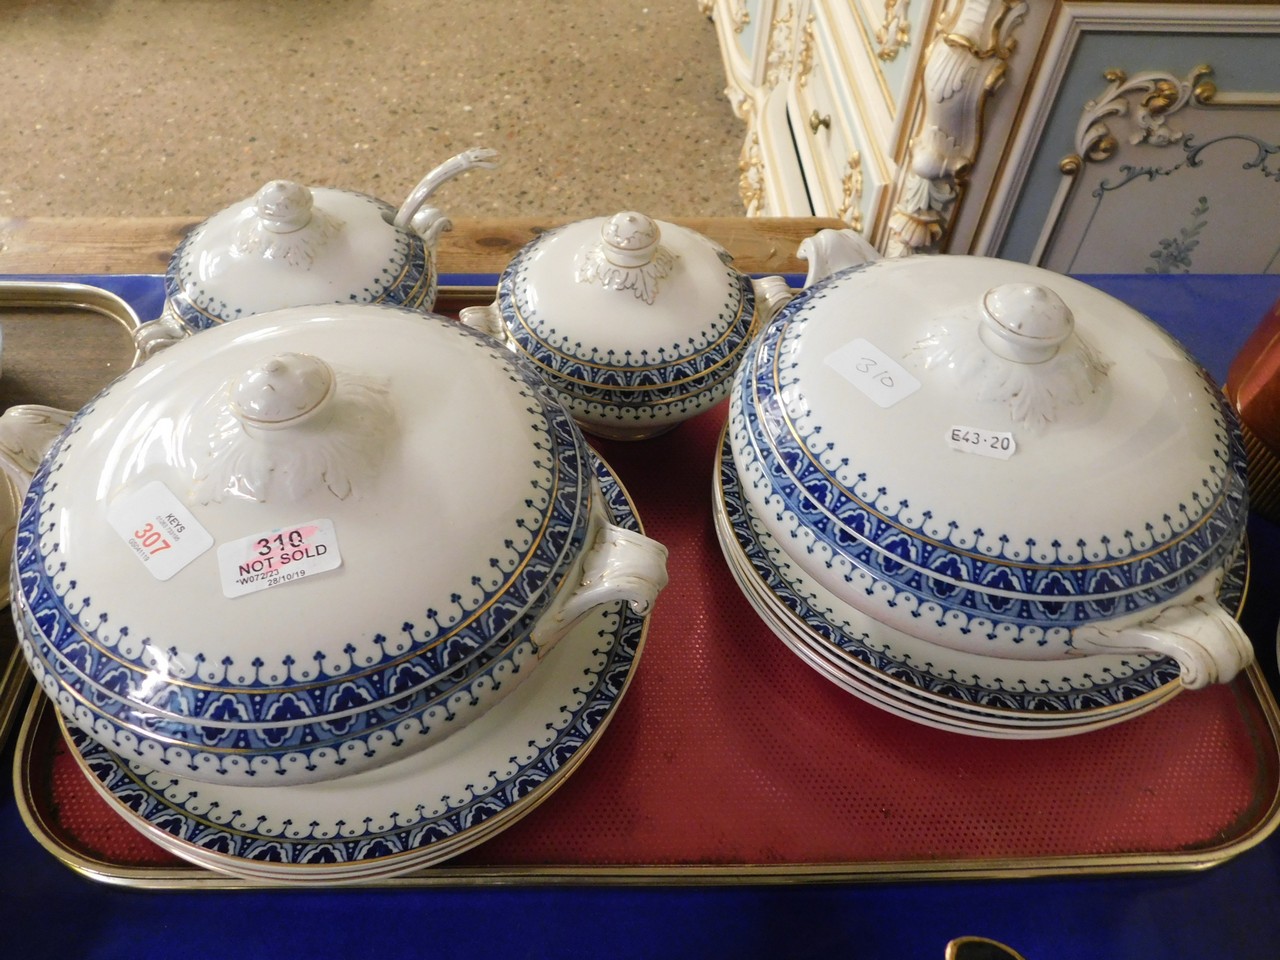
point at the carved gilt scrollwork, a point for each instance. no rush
(851, 193)
(804, 57)
(1205, 93)
(965, 64)
(778, 59)
(1147, 100)
(894, 31)
(706, 7)
(751, 176)
(1143, 112)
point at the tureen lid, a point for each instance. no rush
(291, 244)
(304, 495)
(1000, 410)
(625, 292)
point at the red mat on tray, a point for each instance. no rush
(728, 751)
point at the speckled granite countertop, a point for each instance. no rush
(153, 108)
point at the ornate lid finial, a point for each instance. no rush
(1025, 322)
(282, 391)
(283, 206)
(629, 239)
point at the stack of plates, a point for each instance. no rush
(416, 811)
(912, 678)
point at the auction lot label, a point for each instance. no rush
(162, 533)
(874, 372)
(277, 557)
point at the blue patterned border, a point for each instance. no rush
(408, 278)
(523, 588)
(952, 573)
(1102, 688)
(299, 754)
(585, 717)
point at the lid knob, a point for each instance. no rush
(282, 391)
(1024, 322)
(283, 206)
(629, 239)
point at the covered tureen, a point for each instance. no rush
(291, 245)
(310, 542)
(997, 459)
(636, 323)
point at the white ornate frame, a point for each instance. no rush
(1166, 92)
(967, 62)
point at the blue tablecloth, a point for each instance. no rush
(1230, 911)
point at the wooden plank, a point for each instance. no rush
(85, 245)
(82, 245)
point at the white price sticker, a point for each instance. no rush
(277, 557)
(997, 444)
(873, 372)
(162, 533)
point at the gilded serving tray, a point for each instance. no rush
(63, 341)
(731, 761)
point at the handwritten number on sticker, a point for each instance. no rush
(997, 444)
(872, 369)
(996, 441)
(881, 378)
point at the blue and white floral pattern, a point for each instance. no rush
(550, 747)
(1111, 681)
(666, 383)
(407, 278)
(847, 521)
(400, 658)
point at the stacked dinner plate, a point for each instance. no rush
(275, 578)
(942, 688)
(986, 497)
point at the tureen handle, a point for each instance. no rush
(1207, 643)
(162, 332)
(618, 564)
(27, 431)
(487, 318)
(830, 251)
(428, 221)
(772, 294)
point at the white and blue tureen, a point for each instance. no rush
(308, 543)
(636, 323)
(291, 245)
(997, 459)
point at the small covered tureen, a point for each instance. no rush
(636, 323)
(291, 245)
(997, 459)
(310, 542)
